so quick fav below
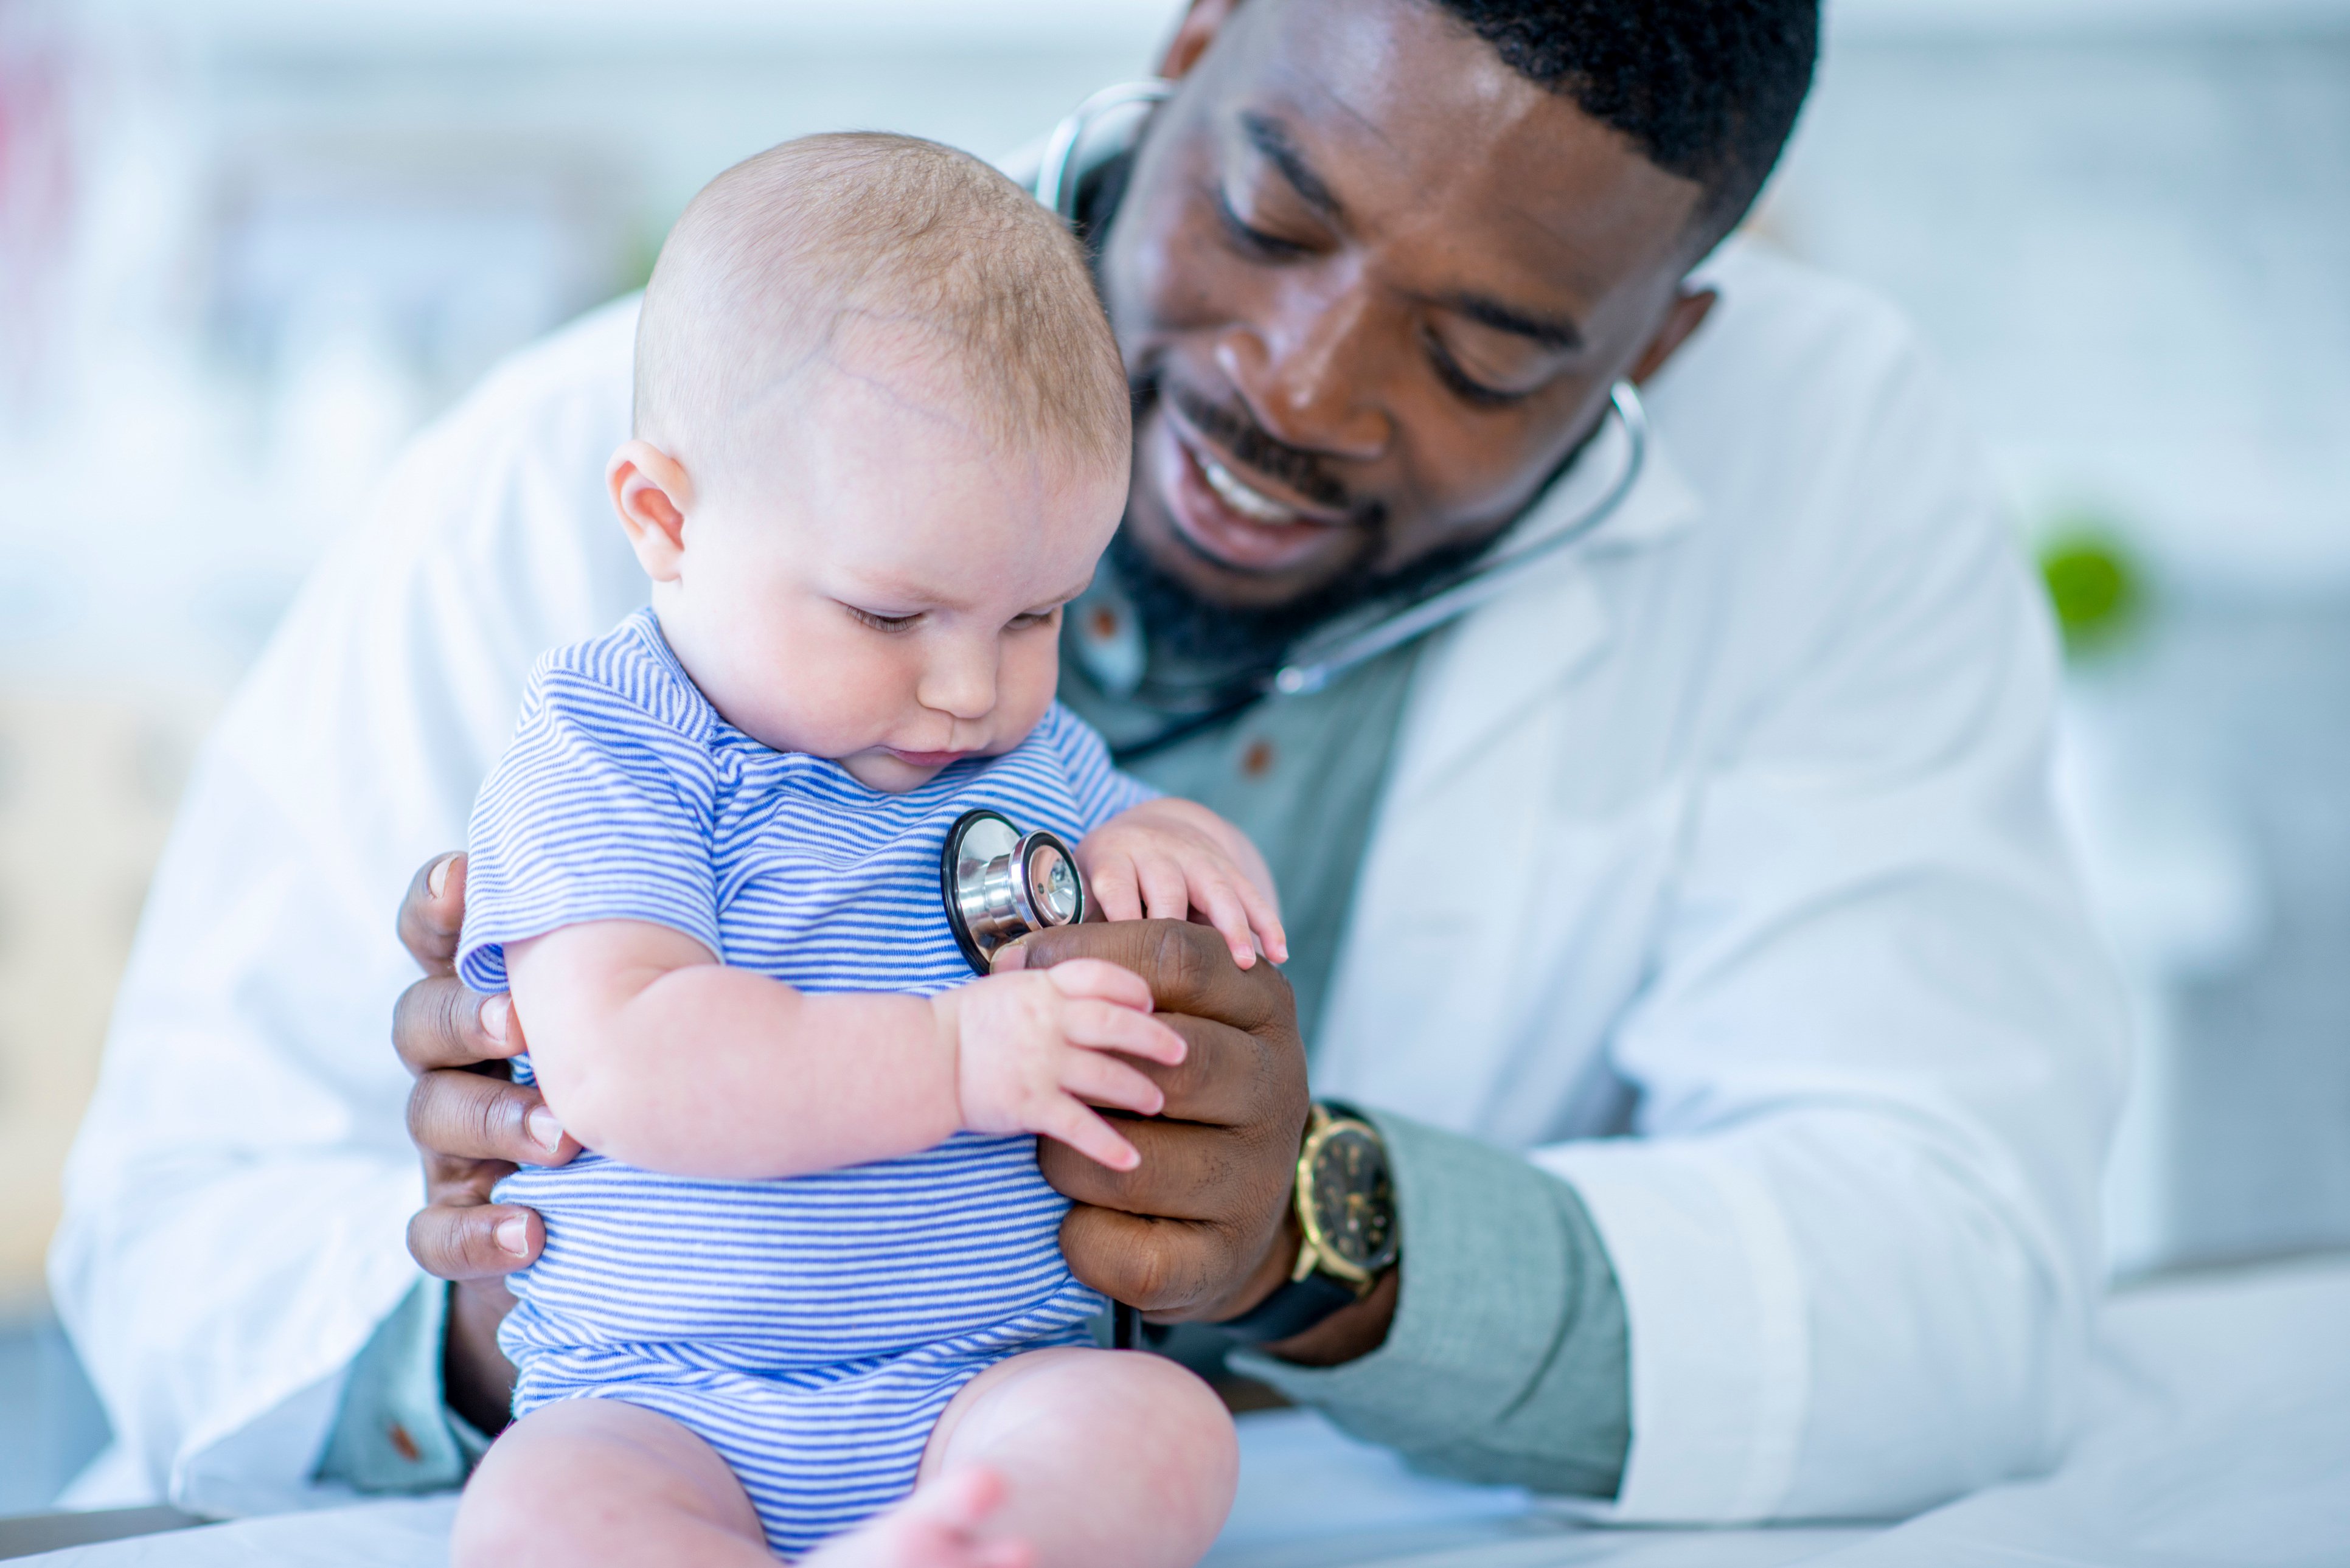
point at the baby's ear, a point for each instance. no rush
(652, 493)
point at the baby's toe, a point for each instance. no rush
(935, 1528)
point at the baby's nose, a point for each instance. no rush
(963, 687)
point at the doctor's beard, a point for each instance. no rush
(1236, 640)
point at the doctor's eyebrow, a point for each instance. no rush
(1271, 138)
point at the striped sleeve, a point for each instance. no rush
(599, 811)
(1100, 790)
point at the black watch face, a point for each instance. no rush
(1354, 1202)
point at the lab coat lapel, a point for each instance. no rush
(1483, 674)
(1433, 971)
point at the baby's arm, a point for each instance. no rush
(1166, 857)
(651, 1050)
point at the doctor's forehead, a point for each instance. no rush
(1391, 117)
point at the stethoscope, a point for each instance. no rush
(999, 884)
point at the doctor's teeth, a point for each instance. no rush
(1248, 503)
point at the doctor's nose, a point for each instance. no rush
(1303, 376)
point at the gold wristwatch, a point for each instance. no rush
(1346, 1218)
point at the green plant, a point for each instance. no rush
(2095, 586)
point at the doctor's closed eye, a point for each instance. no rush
(1249, 239)
(1478, 392)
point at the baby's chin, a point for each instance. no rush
(896, 772)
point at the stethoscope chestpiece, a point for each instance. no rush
(999, 884)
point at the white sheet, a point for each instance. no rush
(2219, 1434)
(2222, 1436)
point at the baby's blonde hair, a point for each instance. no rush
(781, 255)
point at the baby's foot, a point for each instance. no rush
(935, 1528)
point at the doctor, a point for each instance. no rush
(1688, 924)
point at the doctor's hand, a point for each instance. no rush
(472, 1127)
(1201, 1228)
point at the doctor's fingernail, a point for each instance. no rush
(436, 881)
(497, 1011)
(513, 1235)
(544, 1130)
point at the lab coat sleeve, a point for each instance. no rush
(1879, 1050)
(237, 1198)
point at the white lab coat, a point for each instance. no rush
(1717, 870)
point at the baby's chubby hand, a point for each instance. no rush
(1167, 857)
(1028, 1052)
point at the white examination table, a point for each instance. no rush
(2219, 1435)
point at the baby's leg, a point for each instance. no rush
(1107, 1456)
(587, 1481)
(590, 1481)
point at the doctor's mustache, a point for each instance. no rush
(1232, 427)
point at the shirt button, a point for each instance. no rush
(1257, 760)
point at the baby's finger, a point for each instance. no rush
(1165, 896)
(1111, 882)
(1100, 978)
(1106, 1026)
(1071, 1123)
(1216, 899)
(1264, 919)
(1101, 1080)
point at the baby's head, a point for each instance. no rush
(881, 438)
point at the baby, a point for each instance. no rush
(805, 1294)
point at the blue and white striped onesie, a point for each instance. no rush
(811, 1329)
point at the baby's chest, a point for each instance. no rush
(828, 899)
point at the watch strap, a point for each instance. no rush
(1296, 1306)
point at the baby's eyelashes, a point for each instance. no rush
(884, 622)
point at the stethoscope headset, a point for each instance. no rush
(999, 884)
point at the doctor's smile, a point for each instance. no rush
(1242, 523)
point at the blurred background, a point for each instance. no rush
(246, 246)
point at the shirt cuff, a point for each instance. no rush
(395, 1431)
(1508, 1361)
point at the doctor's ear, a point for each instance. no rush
(1202, 20)
(1682, 318)
(652, 493)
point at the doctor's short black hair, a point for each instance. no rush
(1707, 89)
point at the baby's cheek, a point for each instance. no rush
(1026, 680)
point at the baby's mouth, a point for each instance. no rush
(926, 759)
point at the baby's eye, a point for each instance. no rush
(884, 622)
(1036, 617)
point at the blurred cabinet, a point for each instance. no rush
(86, 788)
